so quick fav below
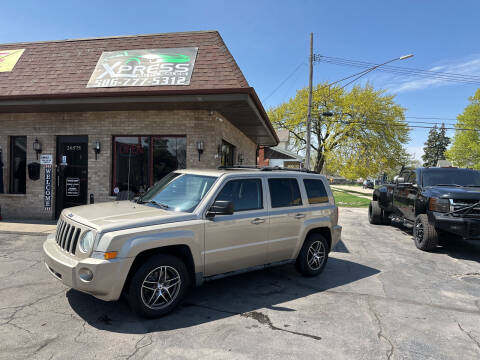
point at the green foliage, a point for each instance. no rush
(435, 146)
(465, 149)
(363, 138)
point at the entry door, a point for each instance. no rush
(72, 172)
(238, 241)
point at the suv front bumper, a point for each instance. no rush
(108, 275)
(468, 228)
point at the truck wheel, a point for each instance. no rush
(386, 220)
(375, 213)
(313, 256)
(425, 235)
(158, 286)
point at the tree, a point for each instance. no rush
(364, 137)
(435, 146)
(465, 149)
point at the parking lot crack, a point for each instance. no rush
(469, 334)
(139, 346)
(381, 332)
(265, 320)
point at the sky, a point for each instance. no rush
(270, 40)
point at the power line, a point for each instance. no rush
(463, 78)
(284, 81)
(379, 122)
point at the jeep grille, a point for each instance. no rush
(67, 236)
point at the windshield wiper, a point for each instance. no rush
(472, 185)
(159, 204)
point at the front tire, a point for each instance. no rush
(424, 234)
(158, 286)
(313, 256)
(375, 214)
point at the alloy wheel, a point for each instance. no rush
(316, 255)
(419, 232)
(160, 287)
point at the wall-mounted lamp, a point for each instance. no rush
(240, 158)
(199, 148)
(97, 148)
(37, 146)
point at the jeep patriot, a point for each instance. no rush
(193, 226)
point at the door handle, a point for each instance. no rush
(299, 216)
(257, 221)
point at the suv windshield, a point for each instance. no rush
(462, 177)
(178, 192)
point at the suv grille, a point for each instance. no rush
(67, 236)
(459, 204)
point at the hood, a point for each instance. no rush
(453, 192)
(119, 215)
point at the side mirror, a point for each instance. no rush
(220, 207)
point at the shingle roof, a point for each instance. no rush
(64, 67)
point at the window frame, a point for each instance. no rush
(150, 154)
(11, 164)
(262, 190)
(301, 191)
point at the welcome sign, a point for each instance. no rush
(148, 67)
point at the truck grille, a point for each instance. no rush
(459, 204)
(67, 236)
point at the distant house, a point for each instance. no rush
(279, 155)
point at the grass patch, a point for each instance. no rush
(345, 199)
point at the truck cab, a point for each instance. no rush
(435, 201)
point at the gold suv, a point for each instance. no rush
(190, 227)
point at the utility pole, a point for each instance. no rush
(309, 114)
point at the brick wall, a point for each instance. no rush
(197, 125)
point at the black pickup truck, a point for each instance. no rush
(434, 200)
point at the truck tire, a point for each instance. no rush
(386, 220)
(158, 286)
(375, 213)
(424, 234)
(313, 256)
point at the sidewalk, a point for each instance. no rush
(27, 227)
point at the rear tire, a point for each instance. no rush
(424, 234)
(158, 286)
(386, 220)
(375, 215)
(313, 256)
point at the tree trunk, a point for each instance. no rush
(319, 162)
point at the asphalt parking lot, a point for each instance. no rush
(378, 298)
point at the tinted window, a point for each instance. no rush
(448, 176)
(316, 191)
(284, 192)
(246, 194)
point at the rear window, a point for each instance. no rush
(316, 191)
(284, 192)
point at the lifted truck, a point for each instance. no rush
(435, 201)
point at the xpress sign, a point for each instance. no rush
(151, 67)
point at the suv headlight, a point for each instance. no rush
(86, 241)
(439, 205)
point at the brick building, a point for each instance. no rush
(118, 113)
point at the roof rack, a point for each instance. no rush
(264, 168)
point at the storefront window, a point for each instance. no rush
(18, 164)
(140, 161)
(169, 153)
